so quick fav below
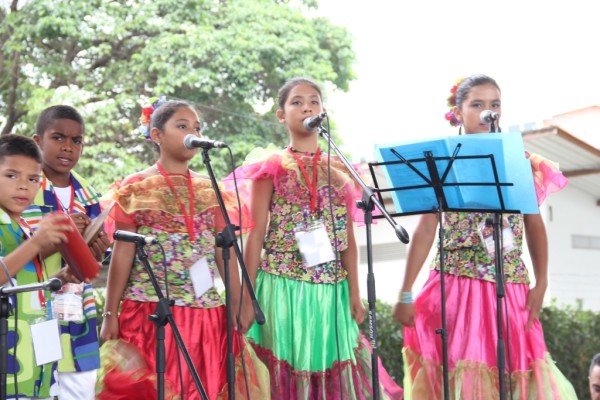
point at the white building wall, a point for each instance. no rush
(388, 271)
(574, 273)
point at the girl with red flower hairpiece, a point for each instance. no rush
(179, 208)
(470, 286)
(450, 117)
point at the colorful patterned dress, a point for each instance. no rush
(150, 205)
(471, 303)
(307, 309)
(79, 339)
(32, 380)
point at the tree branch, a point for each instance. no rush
(11, 107)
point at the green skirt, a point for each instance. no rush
(305, 322)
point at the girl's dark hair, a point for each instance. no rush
(595, 362)
(165, 111)
(51, 114)
(17, 145)
(469, 83)
(285, 90)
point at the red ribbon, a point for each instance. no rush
(313, 186)
(189, 217)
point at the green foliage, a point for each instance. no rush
(389, 340)
(228, 58)
(572, 338)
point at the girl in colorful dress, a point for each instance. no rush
(470, 290)
(306, 281)
(179, 208)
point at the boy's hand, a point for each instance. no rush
(81, 221)
(100, 245)
(51, 231)
(66, 275)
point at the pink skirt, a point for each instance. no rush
(471, 322)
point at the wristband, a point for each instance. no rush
(406, 298)
(106, 314)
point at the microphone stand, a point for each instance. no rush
(367, 205)
(500, 293)
(225, 240)
(5, 312)
(160, 318)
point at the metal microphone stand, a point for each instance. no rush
(53, 285)
(500, 294)
(160, 318)
(367, 205)
(225, 240)
(5, 311)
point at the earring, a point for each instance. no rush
(460, 130)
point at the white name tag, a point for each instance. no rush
(487, 237)
(46, 342)
(67, 305)
(202, 279)
(314, 244)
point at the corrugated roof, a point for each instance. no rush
(578, 160)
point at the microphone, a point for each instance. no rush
(131, 237)
(192, 141)
(487, 116)
(52, 284)
(311, 123)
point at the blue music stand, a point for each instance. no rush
(472, 181)
(491, 175)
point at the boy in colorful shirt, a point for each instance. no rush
(59, 134)
(20, 169)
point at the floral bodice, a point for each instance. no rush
(290, 206)
(150, 205)
(291, 203)
(465, 254)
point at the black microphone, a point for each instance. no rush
(311, 123)
(487, 116)
(192, 141)
(131, 237)
(52, 284)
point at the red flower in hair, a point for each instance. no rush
(147, 111)
(452, 103)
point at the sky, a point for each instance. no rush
(543, 54)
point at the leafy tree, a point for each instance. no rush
(227, 57)
(389, 339)
(571, 335)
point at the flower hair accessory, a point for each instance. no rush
(450, 117)
(147, 111)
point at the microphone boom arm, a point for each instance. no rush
(368, 192)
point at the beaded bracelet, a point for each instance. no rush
(406, 298)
